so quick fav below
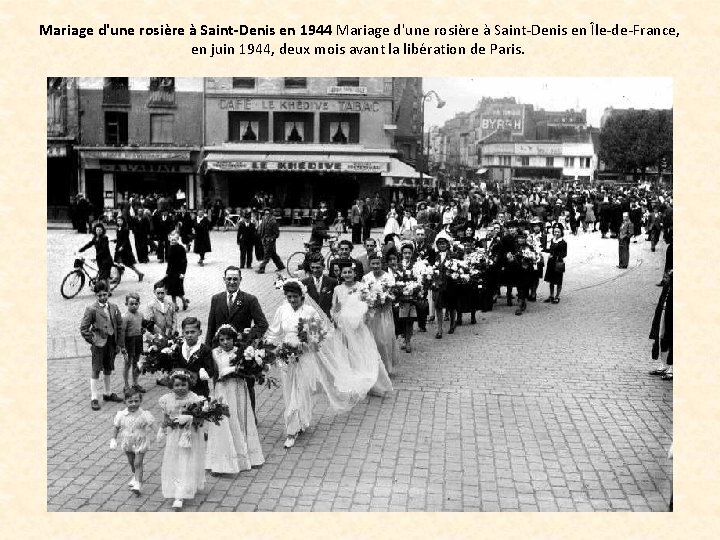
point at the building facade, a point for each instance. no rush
(571, 159)
(139, 135)
(301, 139)
(62, 135)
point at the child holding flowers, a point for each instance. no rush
(134, 426)
(183, 465)
(233, 446)
(409, 290)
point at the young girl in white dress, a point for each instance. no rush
(233, 446)
(353, 336)
(183, 465)
(380, 320)
(135, 426)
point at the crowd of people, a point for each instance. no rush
(439, 259)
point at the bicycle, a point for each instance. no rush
(74, 281)
(295, 260)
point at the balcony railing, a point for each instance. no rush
(162, 98)
(116, 95)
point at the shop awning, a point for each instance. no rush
(276, 162)
(402, 174)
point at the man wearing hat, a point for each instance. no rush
(624, 235)
(246, 239)
(269, 233)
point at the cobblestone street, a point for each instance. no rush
(551, 411)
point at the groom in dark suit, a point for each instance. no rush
(320, 287)
(238, 309)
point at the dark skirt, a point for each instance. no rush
(551, 275)
(174, 285)
(468, 300)
(446, 297)
(125, 256)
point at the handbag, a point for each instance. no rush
(560, 266)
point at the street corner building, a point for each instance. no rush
(303, 140)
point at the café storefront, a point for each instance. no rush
(296, 176)
(107, 174)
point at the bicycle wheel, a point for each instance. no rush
(72, 284)
(116, 273)
(293, 264)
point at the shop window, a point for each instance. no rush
(243, 82)
(348, 81)
(161, 128)
(248, 127)
(116, 128)
(295, 82)
(293, 127)
(549, 162)
(339, 128)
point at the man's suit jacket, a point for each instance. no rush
(96, 325)
(245, 313)
(626, 231)
(324, 296)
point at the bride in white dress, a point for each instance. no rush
(324, 368)
(354, 337)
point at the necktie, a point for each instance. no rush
(230, 301)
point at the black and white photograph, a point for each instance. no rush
(348, 294)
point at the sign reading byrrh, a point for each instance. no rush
(299, 166)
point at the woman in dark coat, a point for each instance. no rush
(661, 331)
(201, 228)
(103, 258)
(123, 249)
(468, 300)
(142, 229)
(557, 248)
(176, 268)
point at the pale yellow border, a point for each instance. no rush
(27, 59)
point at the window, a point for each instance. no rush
(161, 128)
(569, 161)
(116, 128)
(584, 162)
(505, 160)
(248, 126)
(243, 82)
(116, 91)
(295, 82)
(348, 81)
(340, 128)
(549, 162)
(524, 161)
(293, 127)
(165, 84)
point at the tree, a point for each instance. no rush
(632, 141)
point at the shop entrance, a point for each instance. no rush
(149, 183)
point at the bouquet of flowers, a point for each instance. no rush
(289, 350)
(528, 257)
(252, 358)
(376, 294)
(158, 356)
(311, 331)
(408, 283)
(479, 264)
(457, 270)
(206, 411)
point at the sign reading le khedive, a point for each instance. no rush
(303, 105)
(299, 166)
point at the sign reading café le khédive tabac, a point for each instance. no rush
(299, 105)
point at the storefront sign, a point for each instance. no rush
(299, 166)
(408, 182)
(336, 90)
(298, 105)
(55, 151)
(538, 150)
(131, 155)
(147, 167)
